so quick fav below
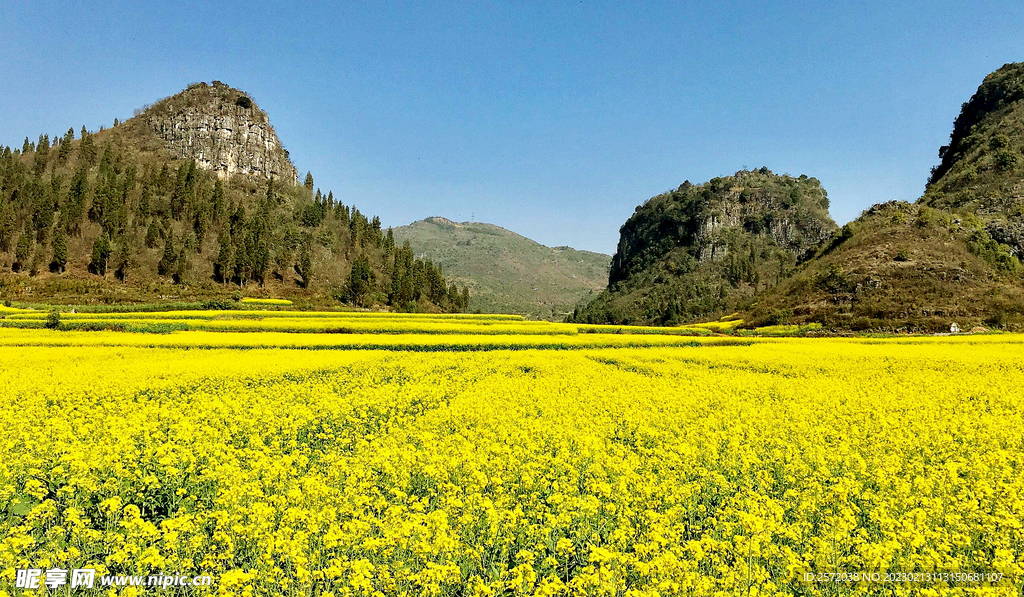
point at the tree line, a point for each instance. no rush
(135, 213)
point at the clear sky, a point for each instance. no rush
(554, 119)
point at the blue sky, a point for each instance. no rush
(553, 119)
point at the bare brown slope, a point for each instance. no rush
(901, 267)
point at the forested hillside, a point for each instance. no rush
(127, 214)
(707, 249)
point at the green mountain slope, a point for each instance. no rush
(506, 272)
(953, 257)
(982, 169)
(901, 266)
(193, 198)
(704, 250)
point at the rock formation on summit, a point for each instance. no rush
(223, 130)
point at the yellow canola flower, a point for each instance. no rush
(518, 463)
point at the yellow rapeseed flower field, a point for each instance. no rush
(512, 464)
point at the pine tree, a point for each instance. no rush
(168, 261)
(309, 182)
(124, 260)
(87, 148)
(38, 258)
(224, 266)
(100, 255)
(23, 251)
(179, 197)
(304, 268)
(360, 281)
(42, 155)
(145, 207)
(27, 147)
(73, 212)
(152, 234)
(183, 267)
(219, 202)
(59, 261)
(64, 152)
(8, 226)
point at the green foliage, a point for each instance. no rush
(59, 260)
(53, 320)
(360, 282)
(305, 266)
(169, 260)
(979, 169)
(114, 200)
(23, 252)
(101, 250)
(1006, 159)
(702, 250)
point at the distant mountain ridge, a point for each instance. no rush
(505, 271)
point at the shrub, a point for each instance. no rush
(996, 320)
(1006, 159)
(901, 255)
(219, 305)
(53, 320)
(778, 317)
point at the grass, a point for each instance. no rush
(506, 272)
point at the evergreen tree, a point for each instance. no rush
(168, 261)
(179, 196)
(183, 267)
(38, 258)
(8, 226)
(360, 281)
(87, 148)
(64, 151)
(73, 212)
(59, 261)
(27, 147)
(304, 268)
(224, 266)
(309, 182)
(152, 234)
(145, 207)
(100, 255)
(219, 202)
(124, 259)
(22, 252)
(42, 155)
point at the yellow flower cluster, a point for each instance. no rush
(342, 322)
(265, 301)
(718, 467)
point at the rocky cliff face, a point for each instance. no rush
(708, 221)
(705, 249)
(982, 169)
(223, 130)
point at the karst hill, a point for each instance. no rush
(193, 198)
(764, 245)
